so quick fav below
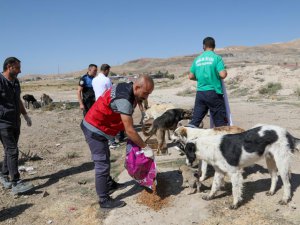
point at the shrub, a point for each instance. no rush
(270, 88)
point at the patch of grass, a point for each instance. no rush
(240, 92)
(187, 92)
(72, 155)
(270, 88)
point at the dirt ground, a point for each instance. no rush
(63, 174)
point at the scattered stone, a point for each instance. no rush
(293, 206)
(45, 194)
(49, 221)
(58, 144)
(72, 209)
(276, 210)
(82, 182)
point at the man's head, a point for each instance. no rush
(105, 68)
(92, 70)
(209, 43)
(11, 67)
(143, 87)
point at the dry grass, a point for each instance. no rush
(270, 88)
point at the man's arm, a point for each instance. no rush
(131, 132)
(24, 113)
(191, 76)
(223, 74)
(22, 108)
(79, 96)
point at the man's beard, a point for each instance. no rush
(13, 75)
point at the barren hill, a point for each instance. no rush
(234, 56)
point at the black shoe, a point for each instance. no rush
(113, 186)
(109, 203)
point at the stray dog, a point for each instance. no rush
(190, 179)
(29, 99)
(183, 134)
(230, 153)
(45, 99)
(167, 121)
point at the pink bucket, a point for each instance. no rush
(138, 166)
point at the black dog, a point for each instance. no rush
(30, 99)
(167, 121)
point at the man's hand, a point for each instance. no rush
(81, 106)
(148, 152)
(28, 120)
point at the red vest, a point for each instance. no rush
(101, 116)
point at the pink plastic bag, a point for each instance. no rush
(138, 166)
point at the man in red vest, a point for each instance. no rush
(110, 114)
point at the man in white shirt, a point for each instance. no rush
(101, 82)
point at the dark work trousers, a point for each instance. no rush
(87, 105)
(101, 156)
(9, 138)
(209, 100)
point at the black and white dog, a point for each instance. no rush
(230, 153)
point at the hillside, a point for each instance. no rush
(285, 54)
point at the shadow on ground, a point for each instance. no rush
(13, 212)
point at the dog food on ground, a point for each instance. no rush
(158, 198)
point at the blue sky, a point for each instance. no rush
(72, 34)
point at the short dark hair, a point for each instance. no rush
(10, 60)
(209, 42)
(92, 65)
(105, 67)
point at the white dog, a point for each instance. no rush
(230, 153)
(184, 134)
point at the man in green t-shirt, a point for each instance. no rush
(208, 69)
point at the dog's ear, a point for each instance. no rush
(182, 132)
(190, 151)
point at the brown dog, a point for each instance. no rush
(167, 121)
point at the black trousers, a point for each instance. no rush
(209, 100)
(9, 138)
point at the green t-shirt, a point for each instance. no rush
(206, 68)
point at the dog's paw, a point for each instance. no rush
(269, 193)
(233, 206)
(283, 202)
(192, 191)
(207, 197)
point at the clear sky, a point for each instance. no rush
(74, 33)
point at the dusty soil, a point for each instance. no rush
(63, 170)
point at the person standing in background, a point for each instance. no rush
(11, 107)
(85, 92)
(208, 70)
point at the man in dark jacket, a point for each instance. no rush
(11, 107)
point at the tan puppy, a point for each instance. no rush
(190, 179)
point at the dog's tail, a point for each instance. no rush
(293, 142)
(297, 144)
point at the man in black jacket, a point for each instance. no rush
(11, 107)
